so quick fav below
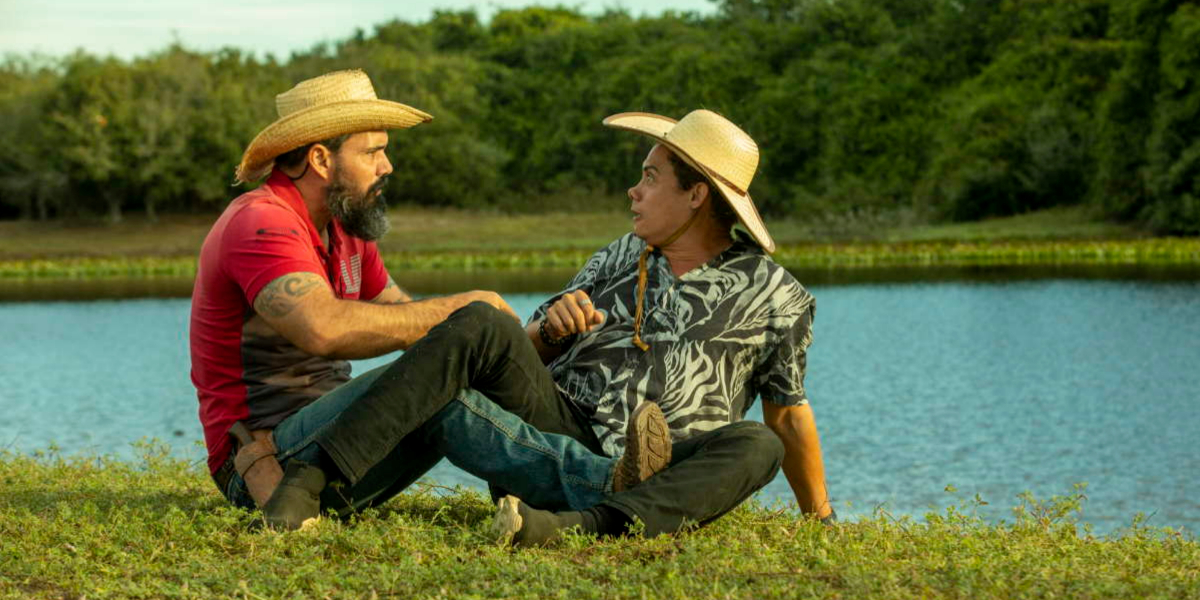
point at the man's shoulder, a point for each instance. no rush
(251, 220)
(764, 274)
(259, 212)
(628, 245)
(619, 253)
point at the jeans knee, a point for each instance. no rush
(759, 443)
(475, 322)
(479, 317)
(476, 313)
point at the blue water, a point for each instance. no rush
(993, 388)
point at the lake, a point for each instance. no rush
(992, 381)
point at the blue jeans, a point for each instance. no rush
(474, 433)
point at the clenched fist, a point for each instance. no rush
(573, 313)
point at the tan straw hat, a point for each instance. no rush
(321, 108)
(717, 148)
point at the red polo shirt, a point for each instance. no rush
(241, 367)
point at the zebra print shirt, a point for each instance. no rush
(725, 332)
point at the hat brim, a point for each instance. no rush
(321, 123)
(657, 127)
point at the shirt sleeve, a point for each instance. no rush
(264, 243)
(374, 274)
(780, 379)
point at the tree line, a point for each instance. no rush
(942, 109)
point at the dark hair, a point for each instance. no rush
(689, 176)
(294, 158)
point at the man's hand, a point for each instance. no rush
(573, 313)
(491, 298)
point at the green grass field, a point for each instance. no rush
(99, 528)
(427, 239)
(424, 230)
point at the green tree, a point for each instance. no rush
(1018, 135)
(1125, 113)
(960, 108)
(1173, 149)
(29, 184)
(91, 117)
(162, 162)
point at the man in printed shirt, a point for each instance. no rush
(290, 284)
(683, 314)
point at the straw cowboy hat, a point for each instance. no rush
(717, 148)
(321, 108)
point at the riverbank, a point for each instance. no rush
(1147, 252)
(159, 529)
(429, 239)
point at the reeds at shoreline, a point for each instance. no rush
(1150, 252)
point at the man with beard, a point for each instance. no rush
(290, 284)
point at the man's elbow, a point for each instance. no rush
(788, 429)
(315, 345)
(794, 425)
(317, 340)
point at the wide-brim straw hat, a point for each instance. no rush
(321, 108)
(714, 146)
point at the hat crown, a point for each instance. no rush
(715, 142)
(338, 86)
(334, 104)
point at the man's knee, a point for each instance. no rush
(758, 443)
(480, 318)
(476, 313)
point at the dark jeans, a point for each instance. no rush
(477, 347)
(386, 428)
(709, 475)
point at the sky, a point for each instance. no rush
(128, 28)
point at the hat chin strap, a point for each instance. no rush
(302, 173)
(641, 287)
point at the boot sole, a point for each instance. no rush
(648, 447)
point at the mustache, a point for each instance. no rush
(379, 185)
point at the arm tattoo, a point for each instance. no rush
(391, 285)
(279, 297)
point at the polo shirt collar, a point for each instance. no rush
(284, 188)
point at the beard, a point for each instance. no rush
(364, 215)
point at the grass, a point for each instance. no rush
(158, 529)
(430, 239)
(1151, 252)
(1059, 223)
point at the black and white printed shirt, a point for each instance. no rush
(724, 333)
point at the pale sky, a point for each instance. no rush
(137, 27)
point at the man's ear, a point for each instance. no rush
(700, 192)
(320, 160)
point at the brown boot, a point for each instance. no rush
(647, 447)
(297, 499)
